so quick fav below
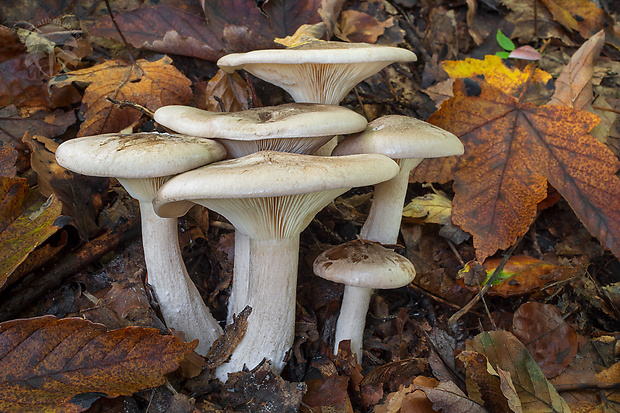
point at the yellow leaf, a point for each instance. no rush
(432, 208)
(306, 33)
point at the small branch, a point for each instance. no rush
(125, 103)
(118, 29)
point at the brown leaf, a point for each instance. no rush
(286, 16)
(573, 88)
(448, 398)
(64, 365)
(30, 223)
(329, 394)
(360, 27)
(149, 84)
(13, 126)
(482, 383)
(225, 93)
(511, 150)
(520, 274)
(505, 351)
(579, 15)
(223, 347)
(81, 196)
(164, 29)
(409, 399)
(8, 160)
(551, 341)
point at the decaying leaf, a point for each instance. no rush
(27, 223)
(551, 341)
(306, 33)
(329, 395)
(50, 364)
(505, 351)
(357, 26)
(511, 150)
(521, 274)
(226, 93)
(447, 397)
(432, 208)
(13, 126)
(582, 16)
(150, 84)
(225, 344)
(409, 399)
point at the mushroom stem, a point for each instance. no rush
(352, 318)
(181, 304)
(386, 212)
(271, 294)
(241, 276)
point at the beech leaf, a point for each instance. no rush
(150, 84)
(504, 351)
(50, 364)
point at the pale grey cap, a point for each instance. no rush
(401, 137)
(293, 127)
(137, 155)
(318, 72)
(365, 264)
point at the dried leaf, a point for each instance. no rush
(582, 16)
(448, 398)
(409, 399)
(150, 84)
(224, 345)
(483, 382)
(13, 126)
(573, 88)
(8, 160)
(305, 34)
(49, 364)
(505, 351)
(551, 341)
(286, 16)
(226, 93)
(511, 149)
(27, 228)
(360, 27)
(329, 394)
(432, 208)
(521, 274)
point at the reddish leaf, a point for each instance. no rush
(47, 363)
(150, 84)
(286, 16)
(550, 340)
(511, 150)
(13, 126)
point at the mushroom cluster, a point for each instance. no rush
(269, 171)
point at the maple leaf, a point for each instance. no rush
(150, 84)
(512, 150)
(49, 364)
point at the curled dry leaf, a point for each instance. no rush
(149, 84)
(13, 126)
(503, 350)
(520, 275)
(551, 341)
(47, 364)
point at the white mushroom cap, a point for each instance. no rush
(401, 137)
(263, 176)
(319, 72)
(138, 155)
(364, 264)
(141, 162)
(293, 127)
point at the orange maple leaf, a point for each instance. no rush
(512, 149)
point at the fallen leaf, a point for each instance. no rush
(224, 93)
(448, 398)
(582, 16)
(13, 126)
(286, 16)
(306, 33)
(8, 160)
(551, 341)
(520, 275)
(34, 222)
(360, 27)
(329, 395)
(504, 351)
(150, 84)
(483, 382)
(432, 208)
(511, 150)
(50, 364)
(224, 345)
(523, 14)
(573, 88)
(409, 399)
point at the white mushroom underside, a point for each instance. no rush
(143, 189)
(237, 149)
(313, 82)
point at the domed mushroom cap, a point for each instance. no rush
(364, 264)
(319, 72)
(292, 120)
(272, 174)
(138, 155)
(401, 137)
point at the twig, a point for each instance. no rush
(456, 316)
(125, 103)
(118, 29)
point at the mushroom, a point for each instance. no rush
(361, 266)
(270, 197)
(317, 72)
(142, 162)
(408, 141)
(294, 127)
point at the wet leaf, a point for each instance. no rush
(150, 84)
(49, 364)
(27, 223)
(573, 88)
(521, 274)
(511, 150)
(551, 341)
(504, 351)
